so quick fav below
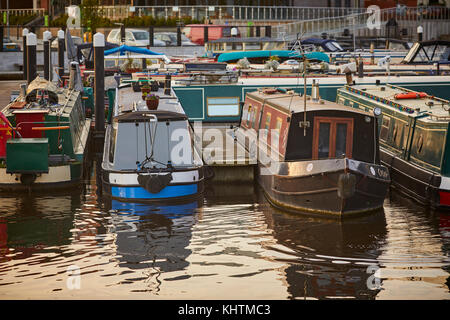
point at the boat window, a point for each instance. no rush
(333, 137)
(249, 110)
(324, 140)
(341, 141)
(223, 107)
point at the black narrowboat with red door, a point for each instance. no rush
(313, 155)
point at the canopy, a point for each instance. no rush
(144, 52)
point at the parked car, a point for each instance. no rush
(9, 45)
(170, 39)
(196, 32)
(133, 38)
(76, 41)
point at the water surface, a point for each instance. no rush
(231, 244)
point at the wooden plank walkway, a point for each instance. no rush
(229, 160)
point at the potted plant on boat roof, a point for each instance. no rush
(152, 101)
(131, 66)
(145, 89)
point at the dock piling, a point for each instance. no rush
(47, 56)
(179, 36)
(99, 91)
(1, 38)
(61, 36)
(31, 57)
(24, 49)
(151, 34)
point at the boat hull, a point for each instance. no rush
(125, 186)
(63, 176)
(423, 186)
(332, 187)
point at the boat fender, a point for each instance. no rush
(346, 185)
(154, 183)
(28, 178)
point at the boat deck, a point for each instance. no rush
(436, 108)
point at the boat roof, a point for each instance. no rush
(162, 115)
(229, 56)
(436, 108)
(127, 97)
(61, 100)
(294, 102)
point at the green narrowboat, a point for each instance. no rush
(43, 138)
(414, 138)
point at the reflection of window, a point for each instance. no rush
(223, 107)
(278, 124)
(267, 124)
(333, 137)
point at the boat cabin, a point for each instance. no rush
(412, 125)
(138, 134)
(277, 119)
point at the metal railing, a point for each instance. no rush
(225, 13)
(23, 12)
(407, 18)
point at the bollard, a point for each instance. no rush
(31, 57)
(61, 35)
(24, 49)
(420, 33)
(99, 85)
(151, 35)
(47, 56)
(179, 36)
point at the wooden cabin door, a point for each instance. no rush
(333, 138)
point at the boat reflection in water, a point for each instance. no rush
(334, 259)
(28, 224)
(153, 236)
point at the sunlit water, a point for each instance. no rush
(229, 245)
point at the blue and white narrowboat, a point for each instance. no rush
(149, 154)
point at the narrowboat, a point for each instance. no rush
(43, 138)
(219, 103)
(148, 152)
(313, 155)
(414, 138)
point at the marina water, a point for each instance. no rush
(231, 244)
